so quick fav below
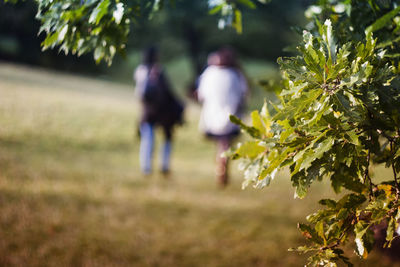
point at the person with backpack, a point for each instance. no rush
(160, 108)
(222, 91)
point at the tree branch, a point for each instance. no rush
(394, 169)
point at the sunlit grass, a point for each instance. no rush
(71, 193)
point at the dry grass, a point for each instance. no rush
(71, 193)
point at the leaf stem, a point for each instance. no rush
(343, 234)
(394, 169)
(388, 137)
(366, 174)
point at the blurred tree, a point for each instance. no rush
(16, 24)
(102, 26)
(19, 40)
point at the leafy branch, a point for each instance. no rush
(338, 104)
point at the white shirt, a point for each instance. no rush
(221, 91)
(140, 77)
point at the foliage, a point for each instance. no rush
(230, 11)
(103, 26)
(79, 26)
(176, 29)
(353, 19)
(339, 112)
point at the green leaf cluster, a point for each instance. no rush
(338, 114)
(98, 26)
(355, 19)
(82, 26)
(230, 11)
(102, 26)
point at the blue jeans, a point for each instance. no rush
(147, 148)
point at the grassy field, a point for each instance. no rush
(71, 193)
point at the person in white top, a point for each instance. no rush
(222, 92)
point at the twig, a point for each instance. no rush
(342, 235)
(366, 174)
(394, 170)
(388, 137)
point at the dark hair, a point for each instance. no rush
(227, 57)
(150, 55)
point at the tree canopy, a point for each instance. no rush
(183, 31)
(102, 26)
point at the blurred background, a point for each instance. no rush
(184, 33)
(71, 193)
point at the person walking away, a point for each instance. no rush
(159, 108)
(222, 92)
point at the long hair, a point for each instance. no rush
(150, 55)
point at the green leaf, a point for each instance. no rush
(62, 33)
(319, 228)
(382, 21)
(258, 123)
(118, 13)
(275, 162)
(250, 130)
(288, 130)
(391, 230)
(305, 157)
(364, 243)
(216, 9)
(328, 202)
(247, 3)
(50, 41)
(328, 37)
(323, 147)
(361, 231)
(388, 42)
(310, 233)
(250, 149)
(237, 22)
(99, 12)
(397, 154)
(352, 201)
(322, 107)
(353, 137)
(99, 54)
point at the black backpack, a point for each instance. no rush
(152, 90)
(161, 105)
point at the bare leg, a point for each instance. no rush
(222, 162)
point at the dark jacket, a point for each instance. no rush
(165, 109)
